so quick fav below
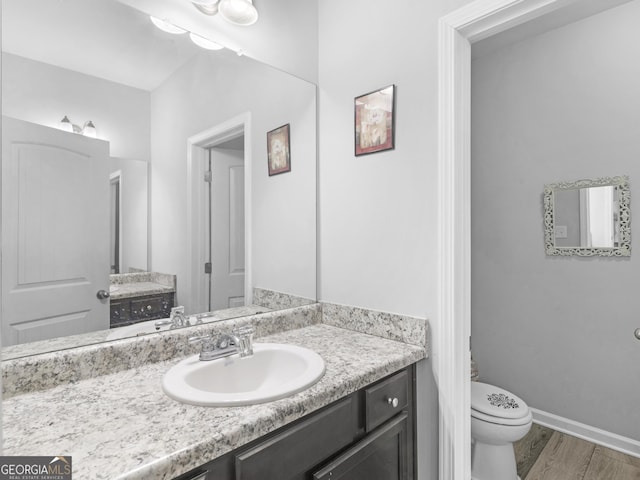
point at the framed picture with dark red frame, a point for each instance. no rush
(279, 150)
(375, 121)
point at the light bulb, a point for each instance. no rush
(66, 125)
(89, 129)
(204, 42)
(166, 26)
(238, 12)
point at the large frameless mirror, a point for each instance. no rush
(146, 94)
(589, 217)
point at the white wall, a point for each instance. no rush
(378, 213)
(203, 94)
(558, 332)
(43, 94)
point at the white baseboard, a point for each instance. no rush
(587, 432)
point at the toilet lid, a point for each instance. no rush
(496, 402)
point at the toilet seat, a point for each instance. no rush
(510, 422)
(496, 405)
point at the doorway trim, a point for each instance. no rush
(197, 146)
(452, 331)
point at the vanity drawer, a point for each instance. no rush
(385, 399)
(119, 313)
(152, 307)
(290, 454)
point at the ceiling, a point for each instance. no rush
(102, 38)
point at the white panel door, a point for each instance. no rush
(227, 228)
(55, 232)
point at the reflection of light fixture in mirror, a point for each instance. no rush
(208, 7)
(204, 42)
(66, 125)
(89, 129)
(166, 26)
(238, 12)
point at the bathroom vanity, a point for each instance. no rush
(356, 422)
(368, 435)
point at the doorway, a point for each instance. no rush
(226, 238)
(476, 21)
(236, 130)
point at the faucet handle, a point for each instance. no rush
(244, 330)
(245, 336)
(208, 346)
(161, 323)
(200, 339)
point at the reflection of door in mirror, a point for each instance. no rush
(226, 163)
(114, 224)
(597, 217)
(129, 231)
(55, 241)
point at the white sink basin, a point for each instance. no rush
(273, 371)
(141, 328)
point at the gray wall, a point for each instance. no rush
(557, 331)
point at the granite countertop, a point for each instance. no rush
(122, 426)
(137, 289)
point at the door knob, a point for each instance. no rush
(102, 294)
(636, 333)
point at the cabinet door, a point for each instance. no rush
(381, 455)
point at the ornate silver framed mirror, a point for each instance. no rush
(588, 217)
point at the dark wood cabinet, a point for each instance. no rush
(290, 454)
(368, 435)
(379, 456)
(127, 311)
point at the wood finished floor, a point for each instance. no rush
(548, 455)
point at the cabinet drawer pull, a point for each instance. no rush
(393, 401)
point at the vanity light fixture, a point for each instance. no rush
(166, 26)
(238, 12)
(88, 130)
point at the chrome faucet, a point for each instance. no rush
(227, 344)
(177, 319)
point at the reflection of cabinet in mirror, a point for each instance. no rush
(142, 296)
(588, 217)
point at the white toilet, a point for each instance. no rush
(498, 419)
